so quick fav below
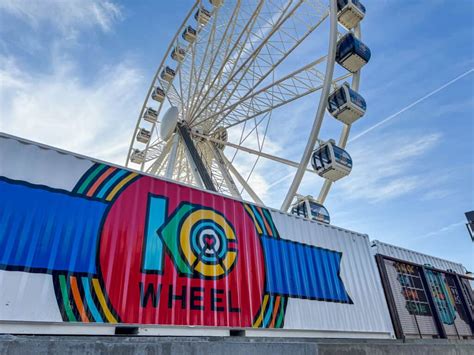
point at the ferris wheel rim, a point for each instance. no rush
(328, 81)
(152, 85)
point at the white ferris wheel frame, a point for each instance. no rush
(170, 149)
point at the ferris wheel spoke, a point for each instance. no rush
(250, 86)
(247, 48)
(231, 59)
(209, 52)
(218, 53)
(291, 87)
(263, 58)
(160, 158)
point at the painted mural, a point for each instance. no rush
(412, 297)
(127, 248)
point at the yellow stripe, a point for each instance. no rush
(117, 188)
(262, 311)
(110, 317)
(259, 230)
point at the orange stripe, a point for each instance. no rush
(269, 230)
(77, 298)
(275, 311)
(100, 181)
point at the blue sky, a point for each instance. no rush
(73, 74)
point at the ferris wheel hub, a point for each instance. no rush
(169, 122)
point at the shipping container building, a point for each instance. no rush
(89, 247)
(428, 297)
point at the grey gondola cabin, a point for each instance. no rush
(346, 105)
(158, 94)
(137, 156)
(202, 16)
(351, 53)
(189, 34)
(350, 13)
(331, 162)
(178, 54)
(150, 115)
(216, 3)
(143, 135)
(307, 207)
(168, 74)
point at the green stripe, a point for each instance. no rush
(67, 306)
(90, 178)
(278, 323)
(270, 222)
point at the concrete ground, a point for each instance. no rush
(118, 345)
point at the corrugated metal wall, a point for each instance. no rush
(427, 296)
(416, 257)
(96, 243)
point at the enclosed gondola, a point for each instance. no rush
(150, 115)
(350, 13)
(346, 105)
(216, 3)
(178, 54)
(137, 156)
(189, 34)
(307, 207)
(168, 74)
(331, 162)
(351, 53)
(158, 94)
(202, 16)
(143, 135)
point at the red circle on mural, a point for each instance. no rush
(172, 297)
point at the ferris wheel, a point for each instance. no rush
(228, 68)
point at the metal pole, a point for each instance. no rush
(242, 181)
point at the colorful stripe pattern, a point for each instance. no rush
(104, 182)
(272, 311)
(82, 298)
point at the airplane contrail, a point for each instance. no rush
(391, 117)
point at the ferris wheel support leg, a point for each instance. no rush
(318, 120)
(195, 158)
(242, 181)
(218, 156)
(172, 157)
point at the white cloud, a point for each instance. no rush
(59, 109)
(66, 15)
(441, 230)
(387, 167)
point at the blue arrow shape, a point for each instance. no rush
(44, 229)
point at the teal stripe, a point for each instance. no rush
(111, 182)
(270, 222)
(90, 302)
(281, 313)
(259, 219)
(90, 178)
(268, 315)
